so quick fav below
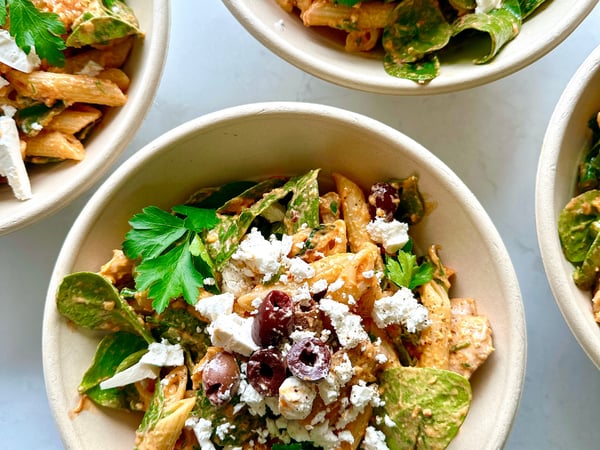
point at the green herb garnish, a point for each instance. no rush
(33, 28)
(404, 270)
(174, 261)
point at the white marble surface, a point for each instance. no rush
(490, 136)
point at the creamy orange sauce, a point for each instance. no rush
(67, 10)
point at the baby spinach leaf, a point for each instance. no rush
(427, 406)
(418, 28)
(585, 274)
(215, 197)
(102, 23)
(529, 6)
(575, 225)
(422, 71)
(116, 352)
(90, 301)
(501, 24)
(303, 207)
(231, 229)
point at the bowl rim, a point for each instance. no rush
(106, 193)
(120, 137)
(549, 245)
(486, 73)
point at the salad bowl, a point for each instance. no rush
(55, 185)
(286, 138)
(567, 139)
(321, 53)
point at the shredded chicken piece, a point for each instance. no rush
(470, 337)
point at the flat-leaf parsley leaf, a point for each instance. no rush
(37, 29)
(174, 262)
(403, 270)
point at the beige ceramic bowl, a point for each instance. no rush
(56, 185)
(565, 142)
(324, 57)
(289, 138)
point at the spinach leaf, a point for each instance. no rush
(116, 352)
(576, 225)
(90, 301)
(101, 23)
(427, 406)
(418, 27)
(501, 24)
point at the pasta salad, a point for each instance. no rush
(281, 314)
(414, 33)
(578, 221)
(60, 68)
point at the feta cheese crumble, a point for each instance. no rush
(12, 165)
(392, 235)
(401, 308)
(296, 398)
(160, 354)
(13, 56)
(233, 333)
(348, 326)
(214, 306)
(374, 440)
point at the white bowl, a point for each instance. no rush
(564, 146)
(56, 185)
(325, 58)
(288, 138)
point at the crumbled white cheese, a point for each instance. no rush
(401, 308)
(484, 6)
(381, 358)
(319, 286)
(296, 398)
(392, 235)
(261, 256)
(13, 56)
(249, 396)
(300, 269)
(388, 421)
(91, 68)
(374, 440)
(202, 429)
(339, 375)
(214, 306)
(348, 326)
(8, 110)
(139, 371)
(160, 354)
(12, 165)
(222, 430)
(233, 333)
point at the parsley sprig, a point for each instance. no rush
(174, 261)
(404, 270)
(33, 28)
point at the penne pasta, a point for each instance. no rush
(73, 120)
(54, 145)
(49, 87)
(370, 15)
(355, 211)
